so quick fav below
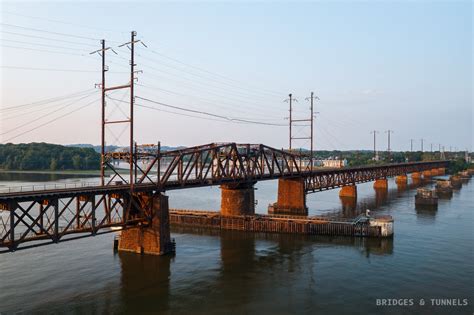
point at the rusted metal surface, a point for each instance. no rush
(216, 164)
(50, 215)
(40, 221)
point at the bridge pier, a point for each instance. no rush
(416, 176)
(381, 183)
(291, 197)
(427, 174)
(434, 172)
(349, 191)
(441, 171)
(401, 180)
(151, 239)
(238, 199)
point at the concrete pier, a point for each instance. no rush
(455, 181)
(150, 238)
(441, 171)
(237, 199)
(401, 180)
(444, 189)
(416, 176)
(291, 198)
(381, 183)
(427, 174)
(426, 197)
(349, 191)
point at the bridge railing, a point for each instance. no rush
(43, 187)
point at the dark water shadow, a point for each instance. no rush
(144, 278)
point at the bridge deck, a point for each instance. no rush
(45, 216)
(317, 180)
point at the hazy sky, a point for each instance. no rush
(375, 65)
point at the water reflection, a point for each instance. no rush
(349, 206)
(401, 188)
(239, 248)
(144, 278)
(426, 213)
(381, 195)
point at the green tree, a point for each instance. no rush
(53, 165)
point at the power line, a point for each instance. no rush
(48, 38)
(50, 69)
(50, 121)
(42, 50)
(206, 78)
(60, 22)
(28, 111)
(208, 101)
(209, 114)
(236, 94)
(203, 70)
(39, 44)
(239, 103)
(49, 100)
(45, 115)
(48, 32)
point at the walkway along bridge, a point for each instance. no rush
(31, 218)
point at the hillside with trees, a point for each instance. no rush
(46, 156)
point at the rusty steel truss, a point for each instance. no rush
(48, 216)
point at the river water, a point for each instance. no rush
(430, 257)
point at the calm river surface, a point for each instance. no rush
(430, 257)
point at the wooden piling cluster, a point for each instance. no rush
(273, 224)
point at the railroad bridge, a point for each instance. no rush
(136, 203)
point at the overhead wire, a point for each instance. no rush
(207, 113)
(29, 111)
(211, 102)
(45, 115)
(49, 32)
(43, 45)
(50, 121)
(54, 69)
(258, 94)
(204, 70)
(53, 99)
(48, 38)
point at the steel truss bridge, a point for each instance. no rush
(44, 216)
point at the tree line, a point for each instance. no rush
(46, 156)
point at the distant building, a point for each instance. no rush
(332, 163)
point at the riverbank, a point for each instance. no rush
(59, 172)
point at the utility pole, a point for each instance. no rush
(312, 98)
(104, 69)
(431, 147)
(132, 100)
(290, 101)
(375, 148)
(411, 145)
(439, 147)
(388, 148)
(129, 119)
(422, 144)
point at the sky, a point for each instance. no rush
(404, 66)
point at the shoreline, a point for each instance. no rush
(61, 172)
